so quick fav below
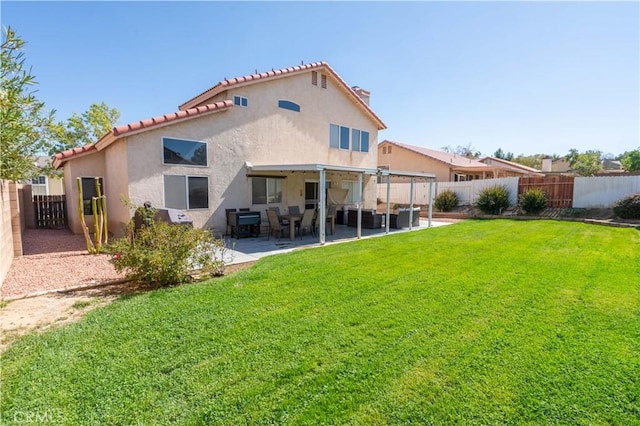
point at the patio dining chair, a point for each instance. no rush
(331, 218)
(306, 223)
(274, 224)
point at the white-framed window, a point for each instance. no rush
(89, 191)
(186, 192)
(184, 152)
(345, 138)
(241, 101)
(39, 185)
(266, 190)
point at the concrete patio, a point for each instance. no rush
(251, 249)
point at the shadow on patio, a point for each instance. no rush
(251, 249)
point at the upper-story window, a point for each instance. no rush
(289, 105)
(184, 152)
(314, 78)
(345, 138)
(384, 149)
(240, 101)
(323, 81)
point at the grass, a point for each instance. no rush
(482, 322)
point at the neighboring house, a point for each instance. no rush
(446, 166)
(44, 184)
(250, 142)
(506, 168)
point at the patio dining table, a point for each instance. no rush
(292, 218)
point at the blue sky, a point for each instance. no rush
(527, 77)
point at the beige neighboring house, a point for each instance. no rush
(506, 168)
(276, 138)
(447, 167)
(46, 185)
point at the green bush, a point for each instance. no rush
(628, 207)
(533, 201)
(493, 200)
(166, 254)
(446, 201)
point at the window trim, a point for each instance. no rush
(243, 101)
(90, 210)
(206, 144)
(289, 105)
(267, 179)
(164, 192)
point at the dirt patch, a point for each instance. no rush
(40, 313)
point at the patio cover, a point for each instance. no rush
(322, 170)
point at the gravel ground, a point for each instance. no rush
(54, 259)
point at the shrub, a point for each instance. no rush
(166, 254)
(446, 201)
(493, 200)
(628, 207)
(533, 201)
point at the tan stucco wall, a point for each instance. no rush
(56, 186)
(262, 133)
(403, 159)
(86, 166)
(116, 187)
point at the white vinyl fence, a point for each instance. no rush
(588, 192)
(399, 193)
(603, 191)
(468, 191)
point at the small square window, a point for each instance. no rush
(240, 101)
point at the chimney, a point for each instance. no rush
(546, 164)
(365, 95)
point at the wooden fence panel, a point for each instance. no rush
(559, 189)
(50, 211)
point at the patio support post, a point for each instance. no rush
(359, 233)
(430, 201)
(322, 214)
(411, 203)
(388, 218)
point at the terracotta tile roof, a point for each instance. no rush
(166, 118)
(511, 164)
(275, 74)
(140, 126)
(453, 160)
(65, 155)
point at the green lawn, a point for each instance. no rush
(481, 322)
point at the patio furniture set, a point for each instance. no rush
(246, 223)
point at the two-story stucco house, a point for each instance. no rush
(274, 138)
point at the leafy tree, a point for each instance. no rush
(586, 163)
(631, 160)
(24, 124)
(501, 154)
(534, 161)
(80, 130)
(465, 151)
